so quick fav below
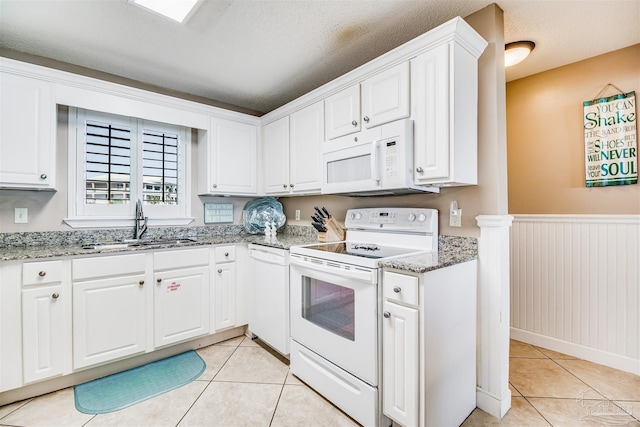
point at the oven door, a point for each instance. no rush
(333, 313)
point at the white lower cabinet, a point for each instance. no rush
(429, 345)
(109, 316)
(180, 296)
(400, 352)
(45, 326)
(224, 285)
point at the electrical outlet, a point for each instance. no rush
(455, 215)
(297, 214)
(21, 216)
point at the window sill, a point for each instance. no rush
(111, 222)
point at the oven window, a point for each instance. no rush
(329, 306)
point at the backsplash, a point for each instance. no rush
(80, 237)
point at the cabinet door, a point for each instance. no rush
(43, 330)
(400, 368)
(233, 158)
(109, 319)
(385, 96)
(275, 143)
(225, 295)
(342, 112)
(306, 137)
(181, 305)
(27, 133)
(430, 109)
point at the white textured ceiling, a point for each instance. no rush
(261, 54)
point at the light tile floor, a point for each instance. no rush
(553, 389)
(246, 385)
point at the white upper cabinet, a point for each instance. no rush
(342, 112)
(27, 133)
(386, 96)
(275, 146)
(305, 138)
(292, 156)
(228, 164)
(382, 98)
(444, 93)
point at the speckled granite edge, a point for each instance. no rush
(81, 237)
(36, 245)
(452, 250)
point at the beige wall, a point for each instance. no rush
(546, 141)
(489, 197)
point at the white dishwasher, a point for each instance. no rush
(268, 296)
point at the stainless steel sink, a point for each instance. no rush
(133, 243)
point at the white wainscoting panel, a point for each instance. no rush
(575, 286)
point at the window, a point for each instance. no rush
(117, 160)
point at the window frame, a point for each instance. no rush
(83, 215)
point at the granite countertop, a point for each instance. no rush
(22, 246)
(452, 250)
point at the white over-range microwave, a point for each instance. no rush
(372, 162)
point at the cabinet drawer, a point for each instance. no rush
(400, 288)
(180, 259)
(225, 253)
(34, 273)
(116, 265)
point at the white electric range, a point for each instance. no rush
(335, 304)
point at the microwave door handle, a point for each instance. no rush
(375, 170)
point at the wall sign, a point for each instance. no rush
(610, 140)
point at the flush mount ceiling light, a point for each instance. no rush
(516, 52)
(178, 10)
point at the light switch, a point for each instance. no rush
(21, 216)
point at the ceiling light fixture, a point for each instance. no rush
(516, 52)
(178, 10)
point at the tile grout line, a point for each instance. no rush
(210, 382)
(278, 401)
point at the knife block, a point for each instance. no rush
(334, 232)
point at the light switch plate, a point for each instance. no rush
(21, 216)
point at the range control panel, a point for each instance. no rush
(424, 220)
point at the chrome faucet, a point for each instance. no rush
(141, 221)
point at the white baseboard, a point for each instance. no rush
(612, 360)
(493, 405)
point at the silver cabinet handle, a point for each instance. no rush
(354, 123)
(43, 176)
(42, 273)
(55, 295)
(226, 254)
(355, 139)
(419, 169)
(219, 270)
(366, 119)
(141, 282)
(397, 289)
(291, 185)
(386, 314)
(284, 185)
(159, 280)
(215, 185)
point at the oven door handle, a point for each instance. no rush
(361, 274)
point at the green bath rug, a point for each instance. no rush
(127, 388)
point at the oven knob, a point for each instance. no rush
(422, 217)
(352, 215)
(358, 216)
(412, 217)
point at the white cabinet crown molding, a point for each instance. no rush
(77, 90)
(456, 30)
